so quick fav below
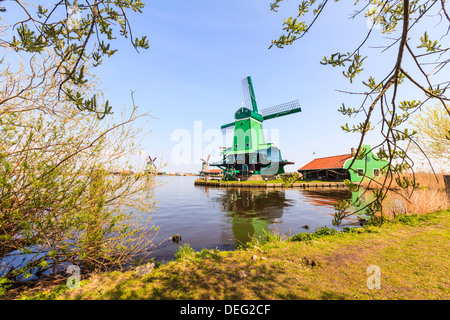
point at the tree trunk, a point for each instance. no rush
(447, 184)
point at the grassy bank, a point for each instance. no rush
(412, 254)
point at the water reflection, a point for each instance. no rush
(224, 218)
(326, 197)
(250, 211)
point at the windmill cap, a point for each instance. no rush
(243, 113)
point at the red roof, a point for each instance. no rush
(334, 162)
(214, 171)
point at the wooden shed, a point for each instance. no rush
(336, 168)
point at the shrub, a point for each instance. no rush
(59, 202)
(4, 285)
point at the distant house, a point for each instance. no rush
(212, 172)
(336, 167)
(120, 170)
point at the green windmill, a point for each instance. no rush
(250, 157)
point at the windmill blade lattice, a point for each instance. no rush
(247, 94)
(227, 128)
(281, 109)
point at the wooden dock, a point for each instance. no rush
(269, 185)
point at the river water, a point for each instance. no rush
(224, 218)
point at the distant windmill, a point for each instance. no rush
(149, 164)
(205, 166)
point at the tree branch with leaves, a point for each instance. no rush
(59, 202)
(79, 41)
(429, 59)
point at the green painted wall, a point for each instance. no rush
(369, 164)
(248, 135)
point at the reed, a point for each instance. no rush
(429, 180)
(428, 196)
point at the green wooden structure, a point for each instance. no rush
(250, 155)
(369, 166)
(338, 167)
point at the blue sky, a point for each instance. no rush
(201, 50)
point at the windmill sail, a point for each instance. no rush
(205, 164)
(249, 94)
(281, 110)
(226, 128)
(150, 162)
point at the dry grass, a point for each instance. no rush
(429, 180)
(430, 195)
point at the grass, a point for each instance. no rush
(412, 253)
(184, 252)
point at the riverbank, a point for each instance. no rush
(411, 253)
(269, 184)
